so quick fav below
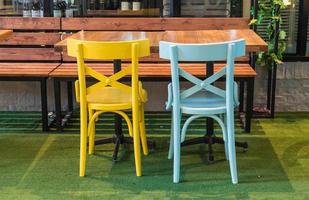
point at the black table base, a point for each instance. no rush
(119, 139)
(210, 140)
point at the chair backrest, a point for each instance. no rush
(107, 51)
(225, 51)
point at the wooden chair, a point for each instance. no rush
(108, 94)
(203, 99)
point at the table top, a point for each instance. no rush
(254, 43)
(5, 33)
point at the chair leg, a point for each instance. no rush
(225, 137)
(176, 130)
(136, 143)
(231, 147)
(170, 151)
(91, 134)
(142, 131)
(83, 140)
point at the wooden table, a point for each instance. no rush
(5, 33)
(253, 42)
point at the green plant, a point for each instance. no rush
(270, 13)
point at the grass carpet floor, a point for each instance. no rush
(36, 165)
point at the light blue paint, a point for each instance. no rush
(203, 99)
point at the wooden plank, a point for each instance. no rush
(29, 54)
(253, 42)
(204, 23)
(31, 38)
(153, 70)
(154, 57)
(26, 69)
(153, 24)
(25, 23)
(111, 24)
(5, 34)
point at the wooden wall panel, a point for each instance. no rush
(31, 38)
(27, 69)
(204, 23)
(154, 57)
(152, 24)
(111, 24)
(150, 70)
(29, 54)
(25, 23)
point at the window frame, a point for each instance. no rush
(302, 32)
(301, 46)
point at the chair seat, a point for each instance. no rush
(203, 103)
(110, 98)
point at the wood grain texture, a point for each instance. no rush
(25, 23)
(111, 24)
(204, 23)
(154, 57)
(151, 70)
(5, 34)
(29, 54)
(26, 69)
(253, 42)
(153, 24)
(31, 38)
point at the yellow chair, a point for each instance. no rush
(109, 95)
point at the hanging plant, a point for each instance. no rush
(269, 12)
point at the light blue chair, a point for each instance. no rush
(203, 99)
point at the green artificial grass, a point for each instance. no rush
(36, 165)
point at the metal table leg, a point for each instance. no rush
(57, 91)
(70, 96)
(119, 138)
(249, 106)
(209, 138)
(241, 96)
(44, 104)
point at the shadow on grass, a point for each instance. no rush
(55, 175)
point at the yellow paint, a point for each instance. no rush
(109, 95)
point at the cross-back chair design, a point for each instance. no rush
(203, 99)
(108, 94)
